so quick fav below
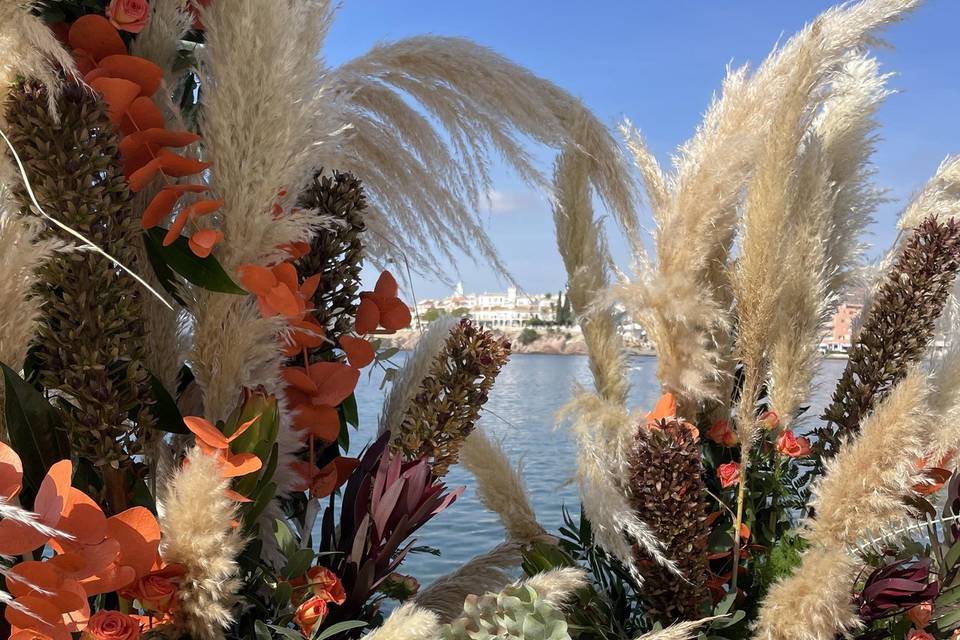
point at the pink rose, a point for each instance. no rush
(792, 446)
(111, 625)
(918, 634)
(129, 15)
(310, 614)
(920, 614)
(722, 434)
(325, 584)
(729, 474)
(769, 420)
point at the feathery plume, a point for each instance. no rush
(483, 104)
(900, 324)
(585, 256)
(196, 520)
(945, 405)
(447, 406)
(90, 344)
(409, 622)
(500, 487)
(417, 367)
(679, 631)
(939, 198)
(160, 37)
(490, 571)
(558, 585)
(683, 300)
(814, 603)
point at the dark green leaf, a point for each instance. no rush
(34, 428)
(298, 563)
(261, 630)
(350, 412)
(203, 272)
(164, 409)
(161, 269)
(287, 633)
(340, 627)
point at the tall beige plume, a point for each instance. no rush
(196, 521)
(862, 491)
(409, 622)
(683, 300)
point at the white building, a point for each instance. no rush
(508, 309)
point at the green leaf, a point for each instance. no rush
(261, 630)
(165, 275)
(285, 539)
(340, 627)
(952, 557)
(34, 428)
(203, 272)
(164, 409)
(350, 413)
(298, 563)
(287, 633)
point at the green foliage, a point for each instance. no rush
(178, 257)
(528, 336)
(516, 613)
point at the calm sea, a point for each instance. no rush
(521, 409)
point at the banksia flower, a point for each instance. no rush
(667, 488)
(900, 324)
(447, 407)
(91, 336)
(337, 253)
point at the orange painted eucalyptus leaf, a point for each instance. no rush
(157, 137)
(96, 36)
(240, 464)
(82, 562)
(666, 408)
(205, 431)
(394, 314)
(160, 207)
(11, 472)
(138, 533)
(359, 352)
(44, 617)
(335, 381)
(178, 166)
(83, 519)
(321, 421)
(386, 286)
(203, 241)
(368, 317)
(141, 71)
(143, 114)
(118, 93)
(256, 279)
(17, 538)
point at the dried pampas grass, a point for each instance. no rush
(409, 622)
(429, 180)
(679, 631)
(500, 487)
(196, 520)
(939, 198)
(558, 586)
(160, 38)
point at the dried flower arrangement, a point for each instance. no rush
(175, 457)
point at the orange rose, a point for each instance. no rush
(310, 614)
(920, 614)
(325, 584)
(729, 474)
(917, 634)
(156, 591)
(769, 420)
(111, 625)
(722, 434)
(792, 446)
(129, 15)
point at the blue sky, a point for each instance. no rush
(658, 63)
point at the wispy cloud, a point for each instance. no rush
(515, 201)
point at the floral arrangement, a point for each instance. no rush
(185, 208)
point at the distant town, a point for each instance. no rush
(533, 319)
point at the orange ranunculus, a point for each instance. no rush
(920, 614)
(381, 307)
(792, 446)
(111, 625)
(157, 591)
(129, 15)
(722, 434)
(769, 420)
(729, 474)
(310, 614)
(325, 584)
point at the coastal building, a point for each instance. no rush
(497, 310)
(838, 332)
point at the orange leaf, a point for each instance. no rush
(666, 408)
(179, 166)
(334, 474)
(176, 228)
(95, 73)
(205, 431)
(159, 208)
(242, 429)
(299, 379)
(95, 35)
(240, 464)
(83, 519)
(203, 241)
(236, 497)
(286, 273)
(256, 279)
(142, 176)
(135, 69)
(386, 286)
(359, 352)
(368, 317)
(395, 315)
(321, 421)
(17, 538)
(335, 382)
(138, 533)
(113, 578)
(44, 615)
(157, 137)
(81, 562)
(118, 94)
(143, 114)
(11, 472)
(281, 300)
(309, 286)
(202, 207)
(65, 594)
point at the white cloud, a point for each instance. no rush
(513, 202)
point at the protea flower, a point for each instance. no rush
(896, 588)
(385, 501)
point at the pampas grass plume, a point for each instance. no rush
(409, 622)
